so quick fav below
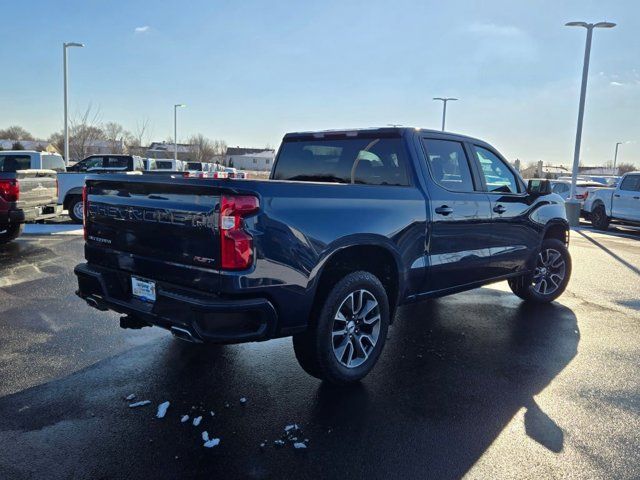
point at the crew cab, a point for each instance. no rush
(350, 225)
(620, 205)
(70, 184)
(26, 194)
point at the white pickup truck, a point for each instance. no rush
(620, 205)
(70, 183)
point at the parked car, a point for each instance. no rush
(350, 226)
(38, 160)
(234, 173)
(620, 205)
(583, 189)
(169, 165)
(26, 194)
(70, 184)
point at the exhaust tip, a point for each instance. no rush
(184, 334)
(94, 303)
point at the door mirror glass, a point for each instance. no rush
(539, 187)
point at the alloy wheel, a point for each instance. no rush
(550, 271)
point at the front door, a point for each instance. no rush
(626, 199)
(514, 237)
(457, 250)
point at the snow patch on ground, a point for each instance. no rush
(140, 404)
(162, 409)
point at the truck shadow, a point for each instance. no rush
(455, 372)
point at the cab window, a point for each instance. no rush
(497, 175)
(448, 164)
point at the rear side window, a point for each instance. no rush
(13, 163)
(53, 162)
(449, 165)
(165, 165)
(365, 161)
(497, 176)
(116, 162)
(194, 166)
(560, 188)
(631, 183)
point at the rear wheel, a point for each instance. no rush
(10, 232)
(550, 277)
(346, 338)
(599, 218)
(76, 209)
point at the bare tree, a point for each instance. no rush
(137, 140)
(206, 150)
(625, 168)
(84, 131)
(116, 135)
(15, 132)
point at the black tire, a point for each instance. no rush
(74, 208)
(531, 287)
(10, 232)
(315, 349)
(599, 218)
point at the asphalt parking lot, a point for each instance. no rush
(477, 384)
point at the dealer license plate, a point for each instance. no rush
(143, 289)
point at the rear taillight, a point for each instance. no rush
(10, 190)
(582, 196)
(85, 204)
(236, 245)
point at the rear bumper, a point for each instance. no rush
(22, 215)
(206, 317)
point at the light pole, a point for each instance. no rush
(66, 97)
(615, 157)
(175, 129)
(444, 107)
(572, 204)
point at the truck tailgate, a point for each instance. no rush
(37, 188)
(159, 220)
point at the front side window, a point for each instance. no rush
(497, 176)
(91, 162)
(448, 164)
(560, 188)
(631, 183)
(53, 162)
(366, 161)
(13, 163)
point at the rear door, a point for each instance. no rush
(460, 228)
(513, 236)
(626, 199)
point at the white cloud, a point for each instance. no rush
(616, 84)
(493, 29)
(143, 29)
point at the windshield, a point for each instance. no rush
(194, 166)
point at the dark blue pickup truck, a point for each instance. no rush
(350, 225)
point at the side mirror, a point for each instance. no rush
(539, 187)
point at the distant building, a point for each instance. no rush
(544, 171)
(167, 150)
(37, 145)
(250, 158)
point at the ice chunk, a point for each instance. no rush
(214, 442)
(299, 445)
(243, 401)
(205, 436)
(130, 397)
(279, 443)
(139, 404)
(196, 421)
(184, 418)
(162, 409)
(212, 414)
(291, 427)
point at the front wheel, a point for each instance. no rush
(10, 232)
(346, 338)
(550, 277)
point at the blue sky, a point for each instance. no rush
(250, 71)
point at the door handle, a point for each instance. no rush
(636, 198)
(616, 195)
(444, 210)
(499, 209)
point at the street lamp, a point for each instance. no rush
(66, 97)
(175, 129)
(444, 107)
(615, 157)
(572, 204)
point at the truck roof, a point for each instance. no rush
(376, 131)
